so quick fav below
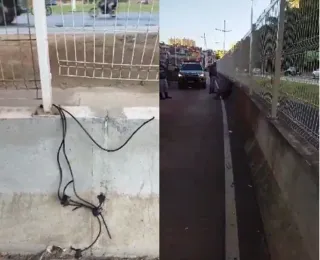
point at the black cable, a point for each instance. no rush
(95, 142)
(65, 128)
(105, 224)
(94, 241)
(58, 154)
(65, 187)
(72, 202)
(65, 200)
(80, 251)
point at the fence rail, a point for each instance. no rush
(108, 50)
(293, 92)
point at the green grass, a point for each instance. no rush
(122, 7)
(304, 92)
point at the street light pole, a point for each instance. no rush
(277, 65)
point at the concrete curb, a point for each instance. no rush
(84, 112)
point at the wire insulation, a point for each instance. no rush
(66, 200)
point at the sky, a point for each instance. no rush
(178, 18)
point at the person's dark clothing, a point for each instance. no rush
(213, 70)
(163, 82)
(163, 72)
(105, 4)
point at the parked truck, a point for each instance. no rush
(9, 10)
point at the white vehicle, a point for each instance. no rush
(315, 74)
(256, 71)
(291, 71)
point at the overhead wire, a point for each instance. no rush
(66, 200)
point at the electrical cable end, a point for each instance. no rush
(101, 197)
(65, 200)
(96, 211)
(78, 207)
(78, 253)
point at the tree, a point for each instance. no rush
(220, 53)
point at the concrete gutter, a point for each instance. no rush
(285, 177)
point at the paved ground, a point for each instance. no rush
(192, 179)
(80, 22)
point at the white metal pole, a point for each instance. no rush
(277, 65)
(250, 50)
(40, 21)
(73, 5)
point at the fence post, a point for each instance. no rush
(277, 65)
(73, 5)
(250, 51)
(40, 21)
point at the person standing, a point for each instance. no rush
(164, 88)
(213, 73)
(108, 6)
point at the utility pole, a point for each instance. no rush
(250, 51)
(205, 40)
(224, 30)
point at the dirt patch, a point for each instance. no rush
(37, 257)
(81, 60)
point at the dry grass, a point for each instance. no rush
(84, 58)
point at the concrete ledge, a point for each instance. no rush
(84, 112)
(31, 216)
(286, 182)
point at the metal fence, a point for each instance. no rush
(18, 52)
(93, 45)
(279, 61)
(77, 39)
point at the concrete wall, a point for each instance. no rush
(285, 177)
(31, 217)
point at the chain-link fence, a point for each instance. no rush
(292, 89)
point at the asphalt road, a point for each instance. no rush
(192, 181)
(79, 22)
(297, 79)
